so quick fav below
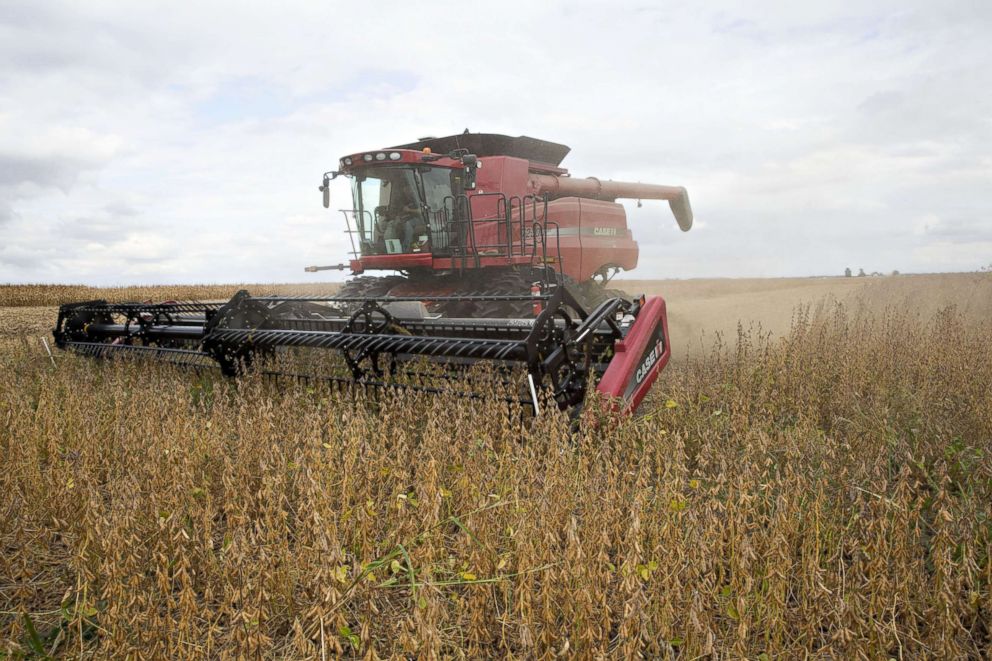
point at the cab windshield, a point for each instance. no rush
(399, 208)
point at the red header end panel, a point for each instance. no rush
(639, 358)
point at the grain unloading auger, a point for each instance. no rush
(505, 265)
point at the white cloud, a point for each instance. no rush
(148, 142)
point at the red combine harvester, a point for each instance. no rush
(482, 213)
(502, 257)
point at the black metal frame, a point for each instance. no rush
(560, 350)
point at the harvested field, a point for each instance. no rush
(701, 309)
(819, 486)
(36, 295)
(35, 321)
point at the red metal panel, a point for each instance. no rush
(567, 213)
(639, 358)
(592, 234)
(399, 261)
(497, 174)
(605, 239)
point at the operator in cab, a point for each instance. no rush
(402, 228)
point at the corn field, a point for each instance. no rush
(824, 494)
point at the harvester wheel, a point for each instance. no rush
(502, 283)
(506, 284)
(368, 286)
(591, 293)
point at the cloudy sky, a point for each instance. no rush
(164, 142)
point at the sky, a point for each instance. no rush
(173, 143)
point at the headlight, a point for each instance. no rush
(347, 161)
(381, 156)
(395, 156)
(367, 157)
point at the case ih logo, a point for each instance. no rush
(656, 347)
(552, 231)
(649, 360)
(604, 231)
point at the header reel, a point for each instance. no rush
(382, 342)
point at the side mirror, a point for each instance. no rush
(471, 164)
(326, 189)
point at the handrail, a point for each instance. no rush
(355, 252)
(456, 221)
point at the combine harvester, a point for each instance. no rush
(504, 258)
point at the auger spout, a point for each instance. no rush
(591, 187)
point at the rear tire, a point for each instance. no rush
(501, 282)
(591, 294)
(367, 286)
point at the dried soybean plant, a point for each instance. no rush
(828, 493)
